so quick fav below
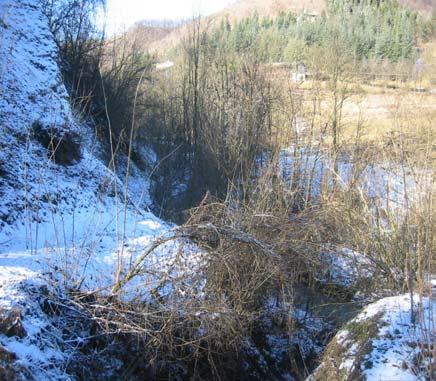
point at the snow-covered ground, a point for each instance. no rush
(398, 347)
(383, 343)
(69, 216)
(345, 268)
(79, 250)
(393, 187)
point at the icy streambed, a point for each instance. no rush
(333, 310)
(388, 184)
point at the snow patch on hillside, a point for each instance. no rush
(31, 86)
(384, 343)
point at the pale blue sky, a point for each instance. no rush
(123, 13)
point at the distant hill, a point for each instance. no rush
(147, 32)
(245, 8)
(240, 10)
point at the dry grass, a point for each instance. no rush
(371, 115)
(394, 111)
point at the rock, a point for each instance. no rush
(11, 323)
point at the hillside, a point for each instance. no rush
(240, 10)
(245, 8)
(145, 34)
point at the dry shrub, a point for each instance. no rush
(202, 325)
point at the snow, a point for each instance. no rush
(345, 267)
(398, 342)
(164, 65)
(69, 217)
(31, 87)
(17, 285)
(307, 337)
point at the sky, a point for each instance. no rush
(123, 13)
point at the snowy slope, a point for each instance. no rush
(31, 86)
(60, 222)
(32, 93)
